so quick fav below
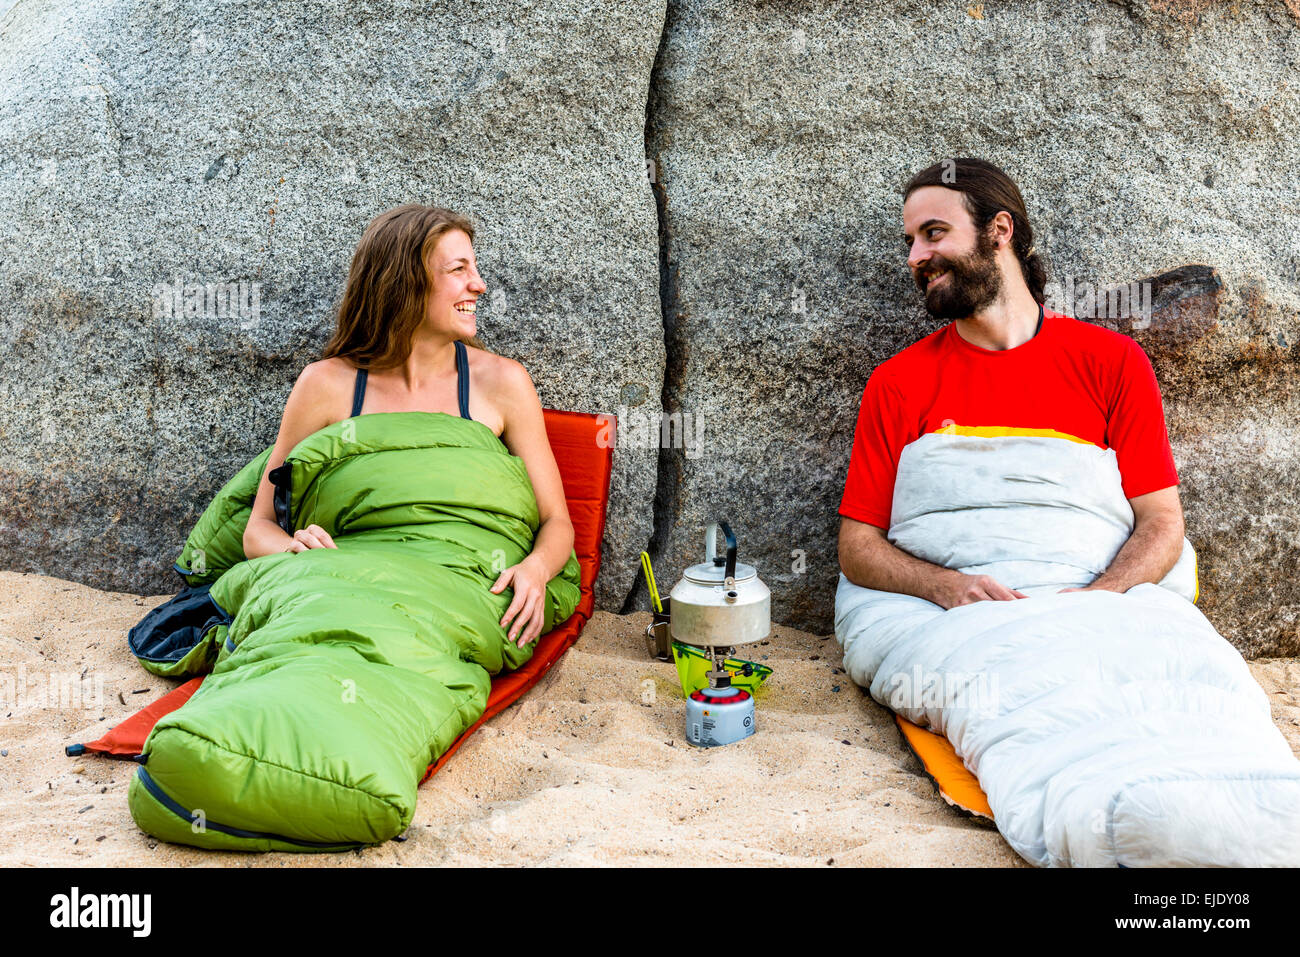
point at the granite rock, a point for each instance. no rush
(746, 290)
(149, 146)
(1153, 140)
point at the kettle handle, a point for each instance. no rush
(711, 547)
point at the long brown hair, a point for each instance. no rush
(987, 191)
(383, 302)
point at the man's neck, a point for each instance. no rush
(1003, 324)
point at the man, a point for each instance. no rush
(1017, 453)
(1004, 365)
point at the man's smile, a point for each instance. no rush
(930, 277)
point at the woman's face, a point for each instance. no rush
(455, 286)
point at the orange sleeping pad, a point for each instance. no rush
(955, 784)
(584, 448)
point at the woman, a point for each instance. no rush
(399, 346)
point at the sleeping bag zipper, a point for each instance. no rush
(161, 796)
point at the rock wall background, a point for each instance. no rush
(752, 280)
(143, 144)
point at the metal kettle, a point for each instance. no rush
(720, 603)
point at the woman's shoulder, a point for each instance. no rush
(499, 375)
(326, 387)
(326, 378)
(331, 371)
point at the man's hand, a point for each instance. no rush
(965, 589)
(869, 559)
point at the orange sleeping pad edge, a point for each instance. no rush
(954, 782)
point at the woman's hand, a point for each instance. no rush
(528, 610)
(313, 536)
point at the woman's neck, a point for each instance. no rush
(431, 359)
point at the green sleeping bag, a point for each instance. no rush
(338, 675)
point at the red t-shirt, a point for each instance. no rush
(1079, 380)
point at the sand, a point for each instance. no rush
(588, 769)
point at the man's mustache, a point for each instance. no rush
(936, 264)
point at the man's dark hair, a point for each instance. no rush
(987, 191)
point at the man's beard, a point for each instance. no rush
(973, 282)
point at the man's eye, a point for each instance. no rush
(930, 233)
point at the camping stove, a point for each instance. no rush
(718, 605)
(719, 714)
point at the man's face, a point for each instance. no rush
(953, 263)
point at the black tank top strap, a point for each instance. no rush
(359, 392)
(462, 384)
(462, 379)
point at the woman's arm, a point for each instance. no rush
(525, 436)
(305, 412)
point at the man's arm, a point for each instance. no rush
(1153, 548)
(867, 558)
(1136, 430)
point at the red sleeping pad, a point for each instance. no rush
(583, 446)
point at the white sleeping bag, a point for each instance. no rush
(1105, 728)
